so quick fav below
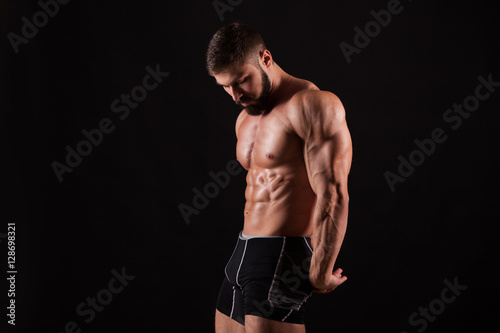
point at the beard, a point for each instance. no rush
(259, 106)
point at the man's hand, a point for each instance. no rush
(336, 279)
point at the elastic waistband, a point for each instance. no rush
(246, 237)
(243, 236)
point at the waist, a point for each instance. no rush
(282, 218)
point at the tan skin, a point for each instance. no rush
(298, 157)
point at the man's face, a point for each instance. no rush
(248, 85)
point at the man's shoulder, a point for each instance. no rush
(313, 97)
(314, 102)
(310, 108)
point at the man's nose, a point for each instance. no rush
(235, 93)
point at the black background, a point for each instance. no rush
(119, 207)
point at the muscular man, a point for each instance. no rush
(294, 141)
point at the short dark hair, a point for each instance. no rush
(233, 45)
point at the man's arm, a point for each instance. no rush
(320, 121)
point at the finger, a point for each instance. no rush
(342, 279)
(339, 279)
(338, 274)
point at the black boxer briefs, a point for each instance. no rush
(267, 277)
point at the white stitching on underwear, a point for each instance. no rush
(275, 272)
(232, 307)
(289, 313)
(304, 300)
(232, 255)
(305, 240)
(241, 262)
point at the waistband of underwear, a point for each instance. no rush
(243, 236)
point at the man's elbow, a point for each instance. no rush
(334, 193)
(340, 197)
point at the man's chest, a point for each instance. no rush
(267, 142)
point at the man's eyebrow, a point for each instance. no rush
(235, 79)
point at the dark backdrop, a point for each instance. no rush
(119, 208)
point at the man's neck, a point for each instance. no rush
(278, 76)
(279, 79)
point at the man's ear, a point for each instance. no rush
(266, 59)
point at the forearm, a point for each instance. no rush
(330, 224)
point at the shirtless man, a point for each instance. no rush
(294, 141)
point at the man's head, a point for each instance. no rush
(237, 57)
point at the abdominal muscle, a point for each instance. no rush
(279, 202)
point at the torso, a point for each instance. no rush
(279, 198)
